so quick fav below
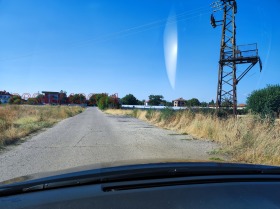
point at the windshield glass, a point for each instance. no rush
(129, 81)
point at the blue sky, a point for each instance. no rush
(97, 46)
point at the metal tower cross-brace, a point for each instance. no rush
(231, 55)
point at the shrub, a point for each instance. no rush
(32, 101)
(135, 113)
(129, 99)
(15, 100)
(149, 114)
(265, 101)
(103, 103)
(167, 113)
(77, 98)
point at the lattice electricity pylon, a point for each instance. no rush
(231, 55)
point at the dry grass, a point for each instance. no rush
(247, 139)
(119, 112)
(18, 121)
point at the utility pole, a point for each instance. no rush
(231, 55)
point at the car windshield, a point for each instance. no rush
(113, 82)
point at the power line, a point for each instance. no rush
(183, 16)
(134, 31)
(156, 22)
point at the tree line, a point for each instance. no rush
(264, 101)
(102, 100)
(156, 100)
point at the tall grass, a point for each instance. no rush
(249, 138)
(18, 121)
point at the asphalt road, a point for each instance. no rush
(94, 137)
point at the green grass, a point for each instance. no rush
(216, 159)
(216, 152)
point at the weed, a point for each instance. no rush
(248, 140)
(150, 114)
(216, 152)
(134, 113)
(216, 159)
(166, 114)
(18, 121)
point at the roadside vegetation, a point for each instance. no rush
(266, 101)
(250, 138)
(18, 121)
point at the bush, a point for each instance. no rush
(15, 100)
(129, 99)
(32, 101)
(135, 113)
(77, 99)
(155, 100)
(149, 114)
(194, 102)
(265, 102)
(167, 113)
(103, 103)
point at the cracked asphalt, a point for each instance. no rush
(94, 137)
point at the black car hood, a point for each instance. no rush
(120, 166)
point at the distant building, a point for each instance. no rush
(241, 106)
(5, 97)
(146, 103)
(180, 102)
(50, 97)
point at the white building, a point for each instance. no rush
(4, 97)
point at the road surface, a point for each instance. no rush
(94, 137)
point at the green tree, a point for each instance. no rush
(142, 102)
(93, 100)
(155, 100)
(32, 101)
(212, 102)
(114, 102)
(166, 103)
(40, 98)
(265, 101)
(103, 102)
(77, 99)
(193, 102)
(63, 97)
(203, 104)
(15, 99)
(227, 103)
(129, 99)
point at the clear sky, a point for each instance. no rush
(117, 46)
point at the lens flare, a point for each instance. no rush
(170, 42)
